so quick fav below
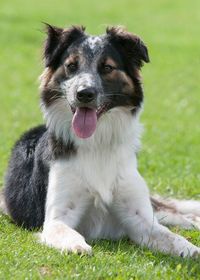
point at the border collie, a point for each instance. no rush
(77, 175)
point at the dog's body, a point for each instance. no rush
(78, 177)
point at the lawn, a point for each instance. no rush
(169, 159)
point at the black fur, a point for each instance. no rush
(26, 179)
(129, 45)
(58, 41)
(27, 175)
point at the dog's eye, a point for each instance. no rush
(72, 67)
(108, 68)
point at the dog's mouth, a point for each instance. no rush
(84, 120)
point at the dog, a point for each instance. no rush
(76, 176)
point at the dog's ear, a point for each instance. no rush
(53, 38)
(130, 45)
(58, 40)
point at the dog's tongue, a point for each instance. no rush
(84, 122)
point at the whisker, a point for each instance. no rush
(57, 97)
(115, 92)
(120, 94)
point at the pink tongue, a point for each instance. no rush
(84, 122)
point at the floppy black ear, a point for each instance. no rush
(129, 45)
(58, 40)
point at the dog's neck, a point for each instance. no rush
(116, 128)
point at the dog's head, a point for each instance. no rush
(87, 76)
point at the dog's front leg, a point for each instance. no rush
(133, 208)
(65, 205)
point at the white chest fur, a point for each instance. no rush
(88, 179)
(100, 158)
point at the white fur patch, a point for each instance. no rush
(62, 237)
(58, 119)
(98, 193)
(93, 42)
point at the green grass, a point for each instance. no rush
(169, 160)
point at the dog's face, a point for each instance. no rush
(91, 75)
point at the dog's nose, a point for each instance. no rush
(86, 95)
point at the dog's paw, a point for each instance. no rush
(76, 245)
(170, 243)
(70, 243)
(65, 239)
(186, 249)
(190, 252)
(79, 248)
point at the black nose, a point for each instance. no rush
(86, 95)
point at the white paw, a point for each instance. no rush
(168, 242)
(183, 248)
(76, 245)
(190, 251)
(65, 239)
